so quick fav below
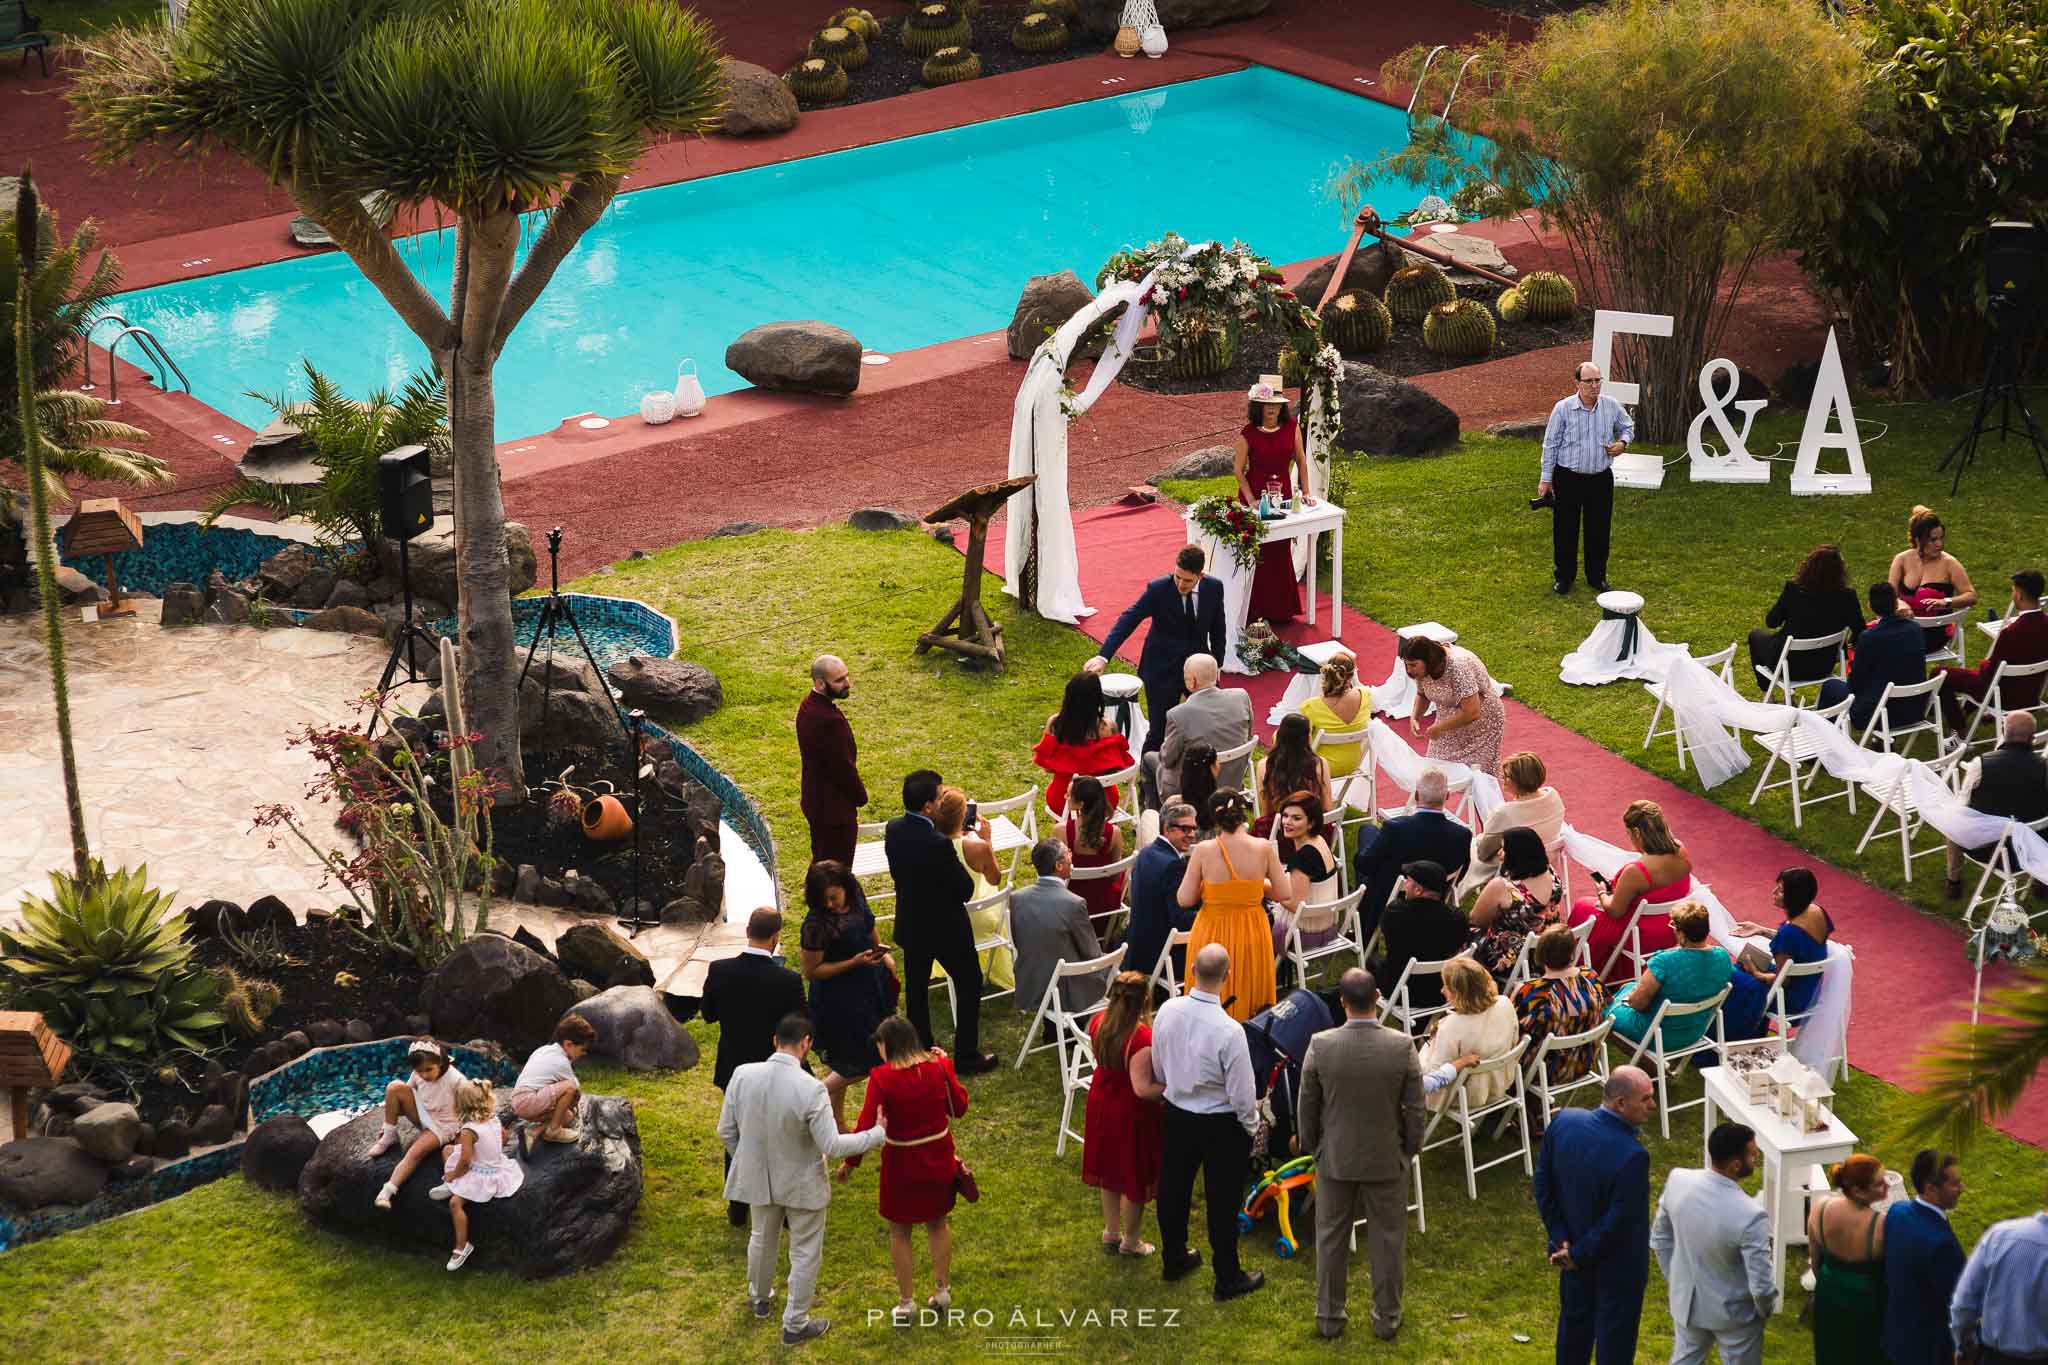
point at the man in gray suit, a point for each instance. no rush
(1048, 922)
(777, 1127)
(1714, 1244)
(1219, 717)
(1361, 1114)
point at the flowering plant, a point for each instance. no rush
(1236, 526)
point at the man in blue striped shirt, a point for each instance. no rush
(1585, 433)
(1999, 1315)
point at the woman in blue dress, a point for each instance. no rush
(1802, 938)
(1695, 970)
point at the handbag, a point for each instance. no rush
(964, 1183)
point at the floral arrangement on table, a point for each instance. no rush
(2006, 936)
(1235, 526)
(1261, 651)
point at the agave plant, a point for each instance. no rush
(113, 977)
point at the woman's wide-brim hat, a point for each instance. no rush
(1269, 389)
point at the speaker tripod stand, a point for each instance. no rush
(2001, 385)
(410, 633)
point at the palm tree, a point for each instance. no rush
(1971, 1074)
(483, 108)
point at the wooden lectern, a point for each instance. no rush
(966, 629)
(30, 1056)
(102, 526)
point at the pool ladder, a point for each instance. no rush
(1423, 77)
(146, 342)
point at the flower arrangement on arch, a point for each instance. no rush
(1235, 526)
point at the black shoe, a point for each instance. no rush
(1598, 585)
(1170, 1272)
(1330, 1330)
(763, 1307)
(1559, 586)
(975, 1066)
(1241, 1286)
(810, 1331)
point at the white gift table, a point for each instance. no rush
(1308, 525)
(1787, 1153)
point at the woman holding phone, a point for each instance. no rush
(853, 978)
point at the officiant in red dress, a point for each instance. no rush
(1270, 455)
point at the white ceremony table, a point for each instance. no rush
(1786, 1153)
(1309, 525)
(870, 859)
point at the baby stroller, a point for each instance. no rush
(1278, 1038)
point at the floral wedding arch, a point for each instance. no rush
(1196, 294)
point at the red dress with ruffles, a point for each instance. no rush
(1120, 1138)
(917, 1161)
(1276, 593)
(1109, 754)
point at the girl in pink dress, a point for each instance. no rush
(478, 1170)
(1269, 451)
(1659, 879)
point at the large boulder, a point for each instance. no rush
(491, 987)
(277, 1151)
(183, 605)
(756, 100)
(283, 573)
(348, 620)
(594, 950)
(671, 688)
(433, 560)
(635, 1029)
(571, 1212)
(1371, 268)
(1388, 416)
(1101, 17)
(108, 1132)
(804, 357)
(40, 1171)
(1046, 304)
(1210, 462)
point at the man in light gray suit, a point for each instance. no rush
(1713, 1243)
(1219, 717)
(1048, 922)
(777, 1127)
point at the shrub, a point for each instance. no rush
(1415, 289)
(1356, 320)
(842, 45)
(1550, 296)
(1672, 143)
(110, 973)
(950, 64)
(818, 80)
(1039, 31)
(1462, 327)
(935, 25)
(859, 20)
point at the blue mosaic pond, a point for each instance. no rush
(181, 552)
(614, 627)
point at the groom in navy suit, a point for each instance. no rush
(1186, 612)
(1922, 1262)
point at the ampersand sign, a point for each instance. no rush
(1735, 464)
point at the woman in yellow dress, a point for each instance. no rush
(972, 849)
(1343, 706)
(1233, 905)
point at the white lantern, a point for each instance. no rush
(1153, 41)
(657, 407)
(689, 392)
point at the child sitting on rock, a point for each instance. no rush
(546, 1092)
(428, 1099)
(478, 1169)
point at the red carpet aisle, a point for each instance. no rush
(1909, 967)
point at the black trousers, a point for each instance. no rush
(1587, 497)
(956, 954)
(1218, 1146)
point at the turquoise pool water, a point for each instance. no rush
(904, 244)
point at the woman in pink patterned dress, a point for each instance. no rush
(1470, 720)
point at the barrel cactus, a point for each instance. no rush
(932, 26)
(1356, 320)
(1066, 11)
(1513, 306)
(1550, 297)
(1415, 290)
(860, 21)
(843, 45)
(1462, 328)
(950, 64)
(1293, 373)
(1039, 31)
(817, 80)
(1200, 345)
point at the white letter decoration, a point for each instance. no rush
(1630, 471)
(1830, 395)
(1734, 464)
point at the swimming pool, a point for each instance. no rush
(903, 243)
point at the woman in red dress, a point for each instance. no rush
(1655, 882)
(1094, 840)
(1120, 1136)
(1269, 452)
(1079, 739)
(915, 1095)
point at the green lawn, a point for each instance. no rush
(78, 19)
(233, 1273)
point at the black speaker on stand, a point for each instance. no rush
(405, 511)
(2013, 254)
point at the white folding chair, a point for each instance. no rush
(1415, 1207)
(1162, 971)
(1800, 753)
(1023, 811)
(997, 942)
(1051, 1006)
(1250, 785)
(1721, 661)
(1662, 1061)
(1999, 882)
(1400, 1003)
(1993, 703)
(1788, 1023)
(1458, 1109)
(1525, 966)
(868, 839)
(1956, 649)
(1120, 868)
(1315, 917)
(1896, 800)
(1536, 1076)
(1629, 945)
(1354, 797)
(1778, 678)
(1125, 780)
(1888, 735)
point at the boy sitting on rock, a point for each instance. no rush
(546, 1092)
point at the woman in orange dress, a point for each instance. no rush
(1233, 904)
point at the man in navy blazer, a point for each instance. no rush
(932, 890)
(1425, 834)
(1593, 1189)
(1922, 1262)
(1186, 612)
(1892, 651)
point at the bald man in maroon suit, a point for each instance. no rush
(832, 790)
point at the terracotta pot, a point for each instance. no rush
(1126, 44)
(605, 819)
